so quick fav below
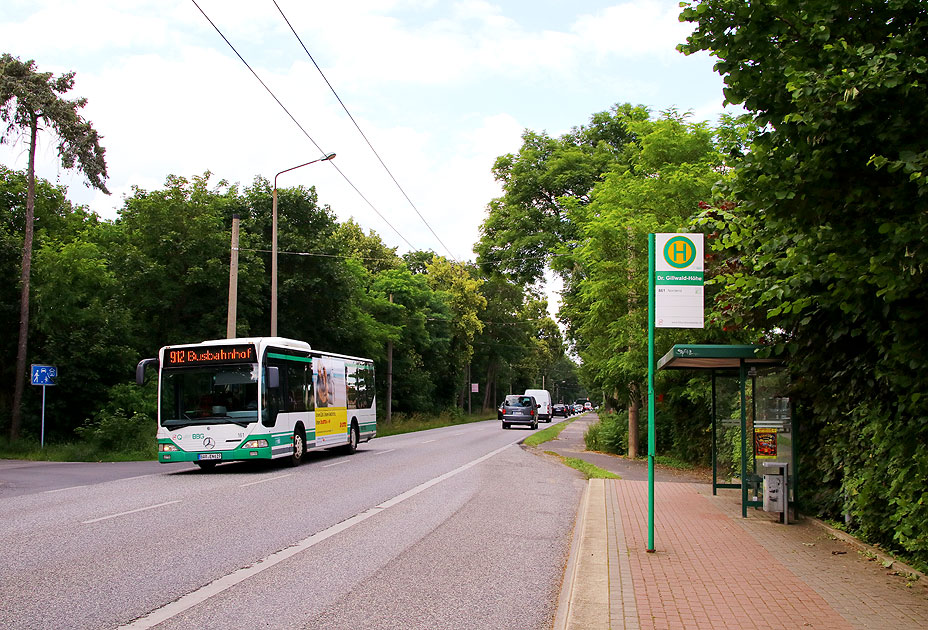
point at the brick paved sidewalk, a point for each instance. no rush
(713, 569)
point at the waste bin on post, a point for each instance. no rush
(776, 489)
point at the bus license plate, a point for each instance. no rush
(210, 456)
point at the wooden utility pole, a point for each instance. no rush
(233, 282)
(469, 395)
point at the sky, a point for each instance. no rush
(440, 89)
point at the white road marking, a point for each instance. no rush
(226, 582)
(426, 441)
(63, 489)
(384, 452)
(339, 463)
(150, 507)
(252, 483)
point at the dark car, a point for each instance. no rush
(519, 410)
(561, 410)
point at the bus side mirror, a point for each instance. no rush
(140, 369)
(273, 377)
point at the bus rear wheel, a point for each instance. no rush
(354, 437)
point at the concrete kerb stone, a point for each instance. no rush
(570, 571)
(584, 603)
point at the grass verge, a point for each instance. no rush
(591, 471)
(546, 435)
(402, 423)
(87, 452)
(71, 452)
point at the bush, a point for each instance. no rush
(125, 424)
(409, 422)
(609, 435)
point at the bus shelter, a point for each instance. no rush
(769, 424)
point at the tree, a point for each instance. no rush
(830, 235)
(82, 324)
(525, 226)
(368, 248)
(28, 99)
(417, 321)
(667, 172)
(519, 342)
(461, 292)
(56, 220)
(170, 249)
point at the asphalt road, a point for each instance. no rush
(451, 528)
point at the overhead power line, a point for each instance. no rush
(321, 255)
(358, 127)
(297, 123)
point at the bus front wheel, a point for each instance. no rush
(299, 448)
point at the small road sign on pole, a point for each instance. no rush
(43, 375)
(678, 281)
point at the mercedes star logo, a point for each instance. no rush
(209, 443)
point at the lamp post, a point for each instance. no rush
(274, 240)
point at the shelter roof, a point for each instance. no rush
(713, 357)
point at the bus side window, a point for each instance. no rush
(296, 387)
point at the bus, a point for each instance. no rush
(259, 398)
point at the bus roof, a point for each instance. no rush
(261, 343)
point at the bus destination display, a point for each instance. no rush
(205, 355)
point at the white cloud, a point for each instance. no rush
(645, 28)
(440, 90)
(84, 27)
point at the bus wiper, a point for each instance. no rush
(208, 420)
(188, 422)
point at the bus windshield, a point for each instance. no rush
(211, 394)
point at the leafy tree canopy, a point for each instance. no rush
(29, 98)
(524, 226)
(825, 245)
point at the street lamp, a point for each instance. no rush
(274, 240)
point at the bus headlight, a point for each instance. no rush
(167, 448)
(255, 444)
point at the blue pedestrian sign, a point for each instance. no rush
(44, 374)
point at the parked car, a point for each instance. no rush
(518, 409)
(560, 410)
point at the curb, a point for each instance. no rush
(570, 571)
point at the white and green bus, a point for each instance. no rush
(259, 398)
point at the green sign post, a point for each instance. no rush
(675, 300)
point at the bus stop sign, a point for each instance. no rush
(44, 374)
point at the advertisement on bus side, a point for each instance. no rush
(331, 403)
